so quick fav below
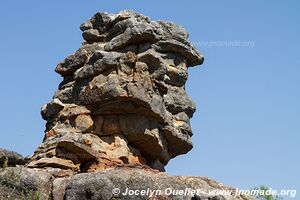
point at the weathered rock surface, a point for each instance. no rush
(122, 99)
(119, 115)
(23, 183)
(109, 184)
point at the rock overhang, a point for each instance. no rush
(123, 99)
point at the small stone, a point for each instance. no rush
(84, 123)
(92, 35)
(72, 62)
(50, 110)
(177, 77)
(65, 95)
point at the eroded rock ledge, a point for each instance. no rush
(122, 99)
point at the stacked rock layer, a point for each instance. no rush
(122, 100)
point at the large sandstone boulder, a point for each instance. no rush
(18, 183)
(110, 184)
(122, 99)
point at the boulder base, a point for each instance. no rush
(126, 183)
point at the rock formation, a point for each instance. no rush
(122, 100)
(119, 115)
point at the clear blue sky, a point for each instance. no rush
(247, 125)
